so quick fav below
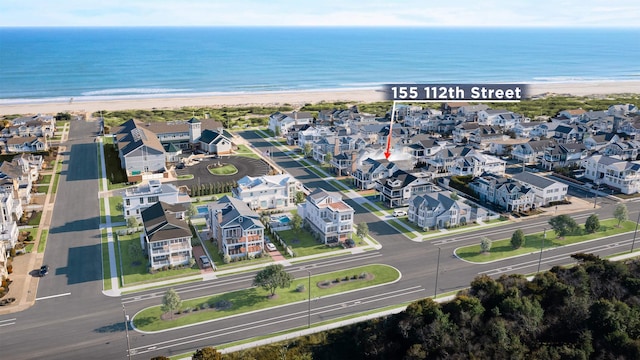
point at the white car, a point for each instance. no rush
(398, 213)
(271, 247)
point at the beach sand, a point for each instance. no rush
(295, 99)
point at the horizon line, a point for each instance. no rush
(381, 26)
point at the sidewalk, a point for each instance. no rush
(24, 287)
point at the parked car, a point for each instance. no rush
(398, 213)
(44, 270)
(271, 247)
(205, 261)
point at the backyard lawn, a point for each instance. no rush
(501, 249)
(303, 243)
(134, 263)
(115, 209)
(219, 306)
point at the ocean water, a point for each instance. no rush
(51, 64)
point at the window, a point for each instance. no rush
(345, 217)
(152, 199)
(127, 201)
(141, 200)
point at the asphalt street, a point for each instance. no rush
(74, 320)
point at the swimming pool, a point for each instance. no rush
(284, 220)
(203, 210)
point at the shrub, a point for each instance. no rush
(363, 275)
(300, 288)
(346, 278)
(337, 280)
(226, 258)
(354, 277)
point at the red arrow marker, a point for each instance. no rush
(387, 151)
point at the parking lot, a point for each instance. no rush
(246, 167)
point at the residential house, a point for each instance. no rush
(544, 130)
(140, 152)
(267, 192)
(629, 125)
(546, 190)
(525, 129)
(565, 134)
(370, 173)
(438, 210)
(563, 155)
(615, 173)
(476, 163)
(397, 189)
(329, 217)
(482, 137)
(26, 144)
(446, 158)
(623, 150)
(462, 132)
(314, 134)
(572, 115)
(18, 176)
(294, 133)
(167, 236)
(622, 109)
(36, 126)
(10, 213)
(504, 193)
(531, 152)
(502, 118)
(183, 134)
(138, 198)
(600, 141)
(280, 123)
(236, 228)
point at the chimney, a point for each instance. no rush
(336, 147)
(354, 162)
(219, 215)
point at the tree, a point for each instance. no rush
(192, 211)
(296, 222)
(362, 230)
(171, 302)
(563, 225)
(307, 149)
(273, 277)
(277, 132)
(485, 245)
(207, 353)
(592, 224)
(327, 157)
(517, 239)
(621, 213)
(300, 197)
(132, 222)
(454, 196)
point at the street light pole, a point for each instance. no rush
(435, 293)
(309, 302)
(544, 236)
(633, 244)
(126, 329)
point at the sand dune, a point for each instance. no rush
(292, 98)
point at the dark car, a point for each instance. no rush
(44, 270)
(205, 261)
(180, 166)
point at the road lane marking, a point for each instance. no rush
(7, 323)
(52, 296)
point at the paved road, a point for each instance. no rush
(88, 324)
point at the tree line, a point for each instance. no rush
(212, 188)
(588, 311)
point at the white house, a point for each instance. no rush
(545, 190)
(10, 212)
(236, 228)
(282, 122)
(329, 217)
(438, 210)
(613, 172)
(140, 197)
(267, 192)
(167, 236)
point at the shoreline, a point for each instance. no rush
(293, 98)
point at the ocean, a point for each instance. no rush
(54, 64)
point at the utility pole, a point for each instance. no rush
(544, 236)
(309, 302)
(633, 244)
(126, 329)
(435, 293)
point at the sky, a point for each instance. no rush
(450, 13)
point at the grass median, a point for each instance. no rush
(242, 301)
(502, 249)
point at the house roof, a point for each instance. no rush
(534, 180)
(209, 137)
(160, 222)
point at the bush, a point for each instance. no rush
(337, 280)
(300, 288)
(226, 258)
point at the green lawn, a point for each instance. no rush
(502, 249)
(256, 298)
(115, 210)
(46, 179)
(407, 232)
(373, 210)
(243, 150)
(56, 178)
(43, 188)
(227, 169)
(35, 219)
(185, 177)
(303, 243)
(106, 270)
(134, 264)
(42, 244)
